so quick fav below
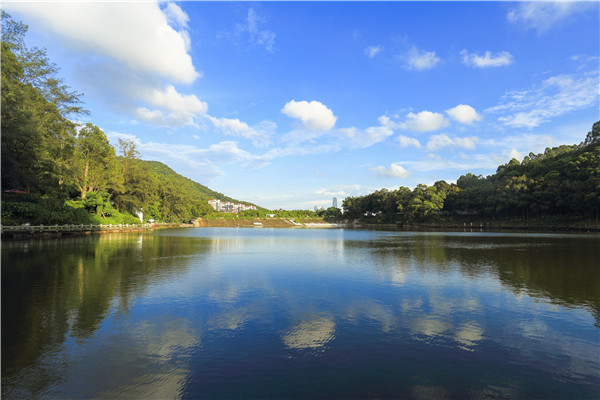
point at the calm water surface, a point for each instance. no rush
(261, 313)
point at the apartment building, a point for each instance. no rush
(229, 207)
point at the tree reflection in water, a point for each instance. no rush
(187, 312)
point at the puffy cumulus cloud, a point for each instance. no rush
(260, 135)
(372, 51)
(487, 60)
(405, 141)
(376, 134)
(155, 117)
(394, 171)
(172, 100)
(437, 142)
(177, 109)
(424, 121)
(464, 114)
(386, 121)
(136, 34)
(543, 16)
(314, 115)
(556, 96)
(420, 60)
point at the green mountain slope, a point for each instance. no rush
(196, 190)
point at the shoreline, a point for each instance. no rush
(480, 227)
(40, 232)
(266, 223)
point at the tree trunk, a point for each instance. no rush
(85, 180)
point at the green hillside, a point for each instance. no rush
(196, 190)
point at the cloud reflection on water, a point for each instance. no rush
(310, 334)
(180, 298)
(469, 335)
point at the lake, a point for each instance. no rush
(302, 313)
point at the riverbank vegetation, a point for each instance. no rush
(558, 186)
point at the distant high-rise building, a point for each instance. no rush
(316, 208)
(335, 202)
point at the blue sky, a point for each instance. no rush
(288, 104)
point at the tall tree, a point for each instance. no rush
(36, 133)
(94, 162)
(128, 151)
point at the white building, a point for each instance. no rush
(229, 207)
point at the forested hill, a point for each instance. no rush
(198, 191)
(563, 183)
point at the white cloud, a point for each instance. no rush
(376, 134)
(314, 115)
(529, 141)
(384, 120)
(361, 138)
(464, 114)
(437, 142)
(394, 171)
(544, 15)
(514, 153)
(176, 15)
(151, 116)
(431, 163)
(131, 51)
(420, 59)
(425, 121)
(177, 109)
(372, 51)
(256, 35)
(330, 193)
(135, 34)
(556, 96)
(207, 162)
(234, 127)
(172, 100)
(219, 153)
(406, 141)
(487, 60)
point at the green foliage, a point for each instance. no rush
(332, 214)
(74, 174)
(94, 165)
(562, 181)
